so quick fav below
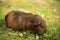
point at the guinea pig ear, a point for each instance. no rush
(35, 23)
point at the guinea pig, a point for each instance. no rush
(20, 20)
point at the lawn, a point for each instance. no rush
(49, 10)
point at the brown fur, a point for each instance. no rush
(19, 20)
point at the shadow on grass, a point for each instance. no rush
(2, 21)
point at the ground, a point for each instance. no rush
(49, 10)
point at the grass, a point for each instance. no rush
(51, 17)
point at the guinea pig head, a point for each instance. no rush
(39, 25)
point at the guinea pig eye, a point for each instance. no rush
(35, 25)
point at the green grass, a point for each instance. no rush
(52, 24)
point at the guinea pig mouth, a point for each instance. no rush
(41, 30)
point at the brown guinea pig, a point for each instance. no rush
(19, 20)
